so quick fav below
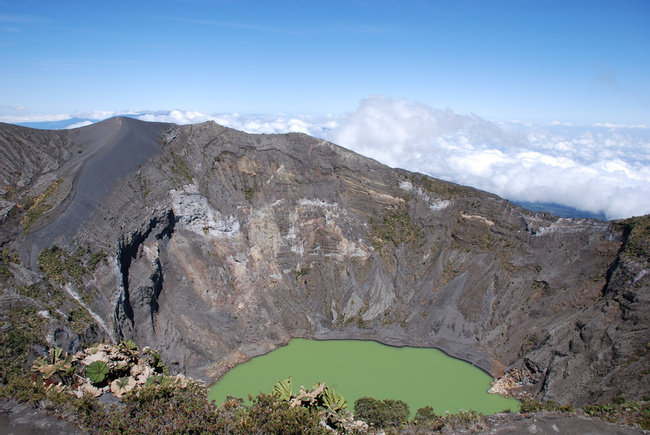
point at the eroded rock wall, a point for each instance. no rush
(225, 245)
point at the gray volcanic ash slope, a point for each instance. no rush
(221, 245)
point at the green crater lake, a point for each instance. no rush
(418, 376)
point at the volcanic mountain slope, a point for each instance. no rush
(214, 246)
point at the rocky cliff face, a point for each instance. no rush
(222, 245)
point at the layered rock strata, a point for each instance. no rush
(223, 245)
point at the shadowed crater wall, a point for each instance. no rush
(223, 245)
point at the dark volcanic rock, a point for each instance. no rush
(21, 419)
(224, 245)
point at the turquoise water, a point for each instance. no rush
(419, 377)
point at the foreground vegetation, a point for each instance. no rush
(145, 399)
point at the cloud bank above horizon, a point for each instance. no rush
(601, 169)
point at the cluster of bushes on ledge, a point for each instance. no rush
(120, 389)
(621, 410)
(105, 369)
(36, 207)
(62, 267)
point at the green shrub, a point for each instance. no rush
(619, 410)
(395, 228)
(74, 267)
(91, 413)
(167, 409)
(95, 258)
(249, 193)
(382, 413)
(16, 342)
(97, 371)
(637, 244)
(55, 366)
(444, 189)
(425, 415)
(465, 420)
(618, 399)
(79, 319)
(530, 405)
(60, 266)
(182, 172)
(36, 207)
(7, 257)
(21, 388)
(51, 262)
(266, 415)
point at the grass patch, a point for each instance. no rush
(16, 340)
(249, 193)
(145, 187)
(622, 411)
(61, 267)
(395, 228)
(180, 169)
(79, 320)
(529, 405)
(443, 189)
(301, 272)
(50, 261)
(7, 257)
(38, 206)
(96, 258)
(637, 244)
(449, 273)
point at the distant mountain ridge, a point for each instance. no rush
(556, 209)
(56, 125)
(561, 210)
(221, 245)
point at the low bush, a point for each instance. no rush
(529, 405)
(382, 413)
(621, 410)
(471, 421)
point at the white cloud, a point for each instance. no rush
(597, 169)
(606, 124)
(79, 125)
(98, 115)
(17, 119)
(176, 117)
(256, 124)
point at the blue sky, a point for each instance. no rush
(534, 100)
(542, 60)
